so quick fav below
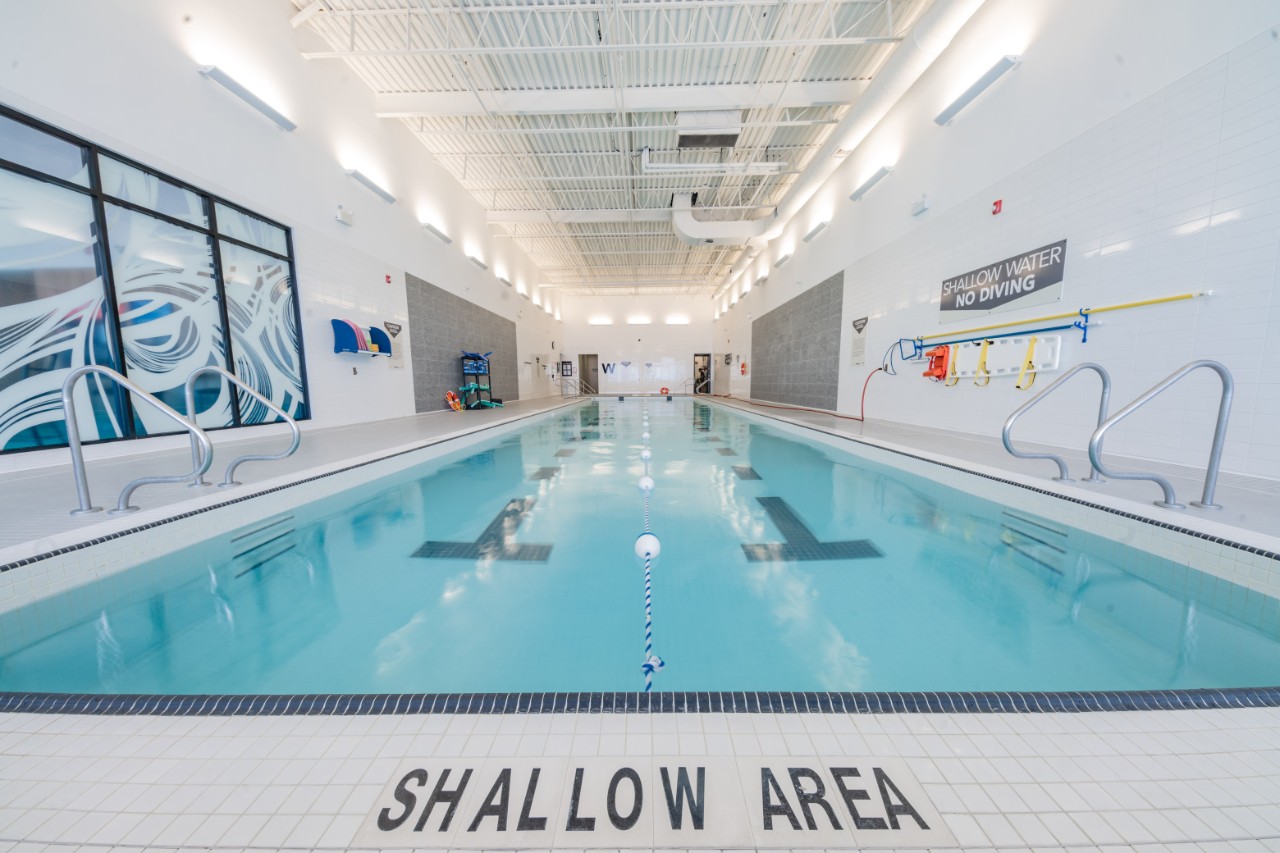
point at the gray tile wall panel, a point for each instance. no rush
(795, 348)
(442, 326)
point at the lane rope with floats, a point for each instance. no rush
(647, 549)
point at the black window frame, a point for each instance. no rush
(99, 199)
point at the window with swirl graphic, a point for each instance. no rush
(107, 262)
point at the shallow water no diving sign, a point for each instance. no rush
(678, 801)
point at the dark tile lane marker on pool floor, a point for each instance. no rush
(801, 544)
(745, 472)
(496, 542)
(544, 473)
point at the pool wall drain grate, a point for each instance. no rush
(639, 703)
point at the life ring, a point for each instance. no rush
(743, 369)
(453, 401)
(664, 390)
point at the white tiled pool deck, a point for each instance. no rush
(1125, 781)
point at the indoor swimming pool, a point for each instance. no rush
(786, 565)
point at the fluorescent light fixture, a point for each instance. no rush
(504, 280)
(638, 320)
(816, 230)
(436, 231)
(600, 321)
(677, 320)
(547, 308)
(870, 182)
(557, 313)
(782, 260)
(229, 83)
(477, 262)
(764, 279)
(980, 85)
(362, 178)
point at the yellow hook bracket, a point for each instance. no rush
(1028, 371)
(981, 371)
(953, 378)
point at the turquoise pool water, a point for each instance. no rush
(511, 569)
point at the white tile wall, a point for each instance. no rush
(1178, 193)
(339, 281)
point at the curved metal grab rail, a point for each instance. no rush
(198, 438)
(1063, 475)
(229, 480)
(1215, 453)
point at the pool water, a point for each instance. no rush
(785, 565)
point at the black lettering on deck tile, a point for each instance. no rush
(816, 797)
(769, 787)
(683, 790)
(852, 795)
(575, 823)
(386, 822)
(527, 823)
(495, 802)
(440, 795)
(625, 821)
(892, 809)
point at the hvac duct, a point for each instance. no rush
(736, 232)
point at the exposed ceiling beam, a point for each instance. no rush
(450, 133)
(500, 183)
(570, 6)
(630, 214)
(636, 47)
(635, 99)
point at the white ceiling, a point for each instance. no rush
(542, 109)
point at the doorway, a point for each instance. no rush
(702, 373)
(589, 374)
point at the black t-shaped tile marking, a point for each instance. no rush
(495, 543)
(801, 544)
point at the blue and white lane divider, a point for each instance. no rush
(647, 549)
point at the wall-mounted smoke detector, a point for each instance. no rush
(708, 128)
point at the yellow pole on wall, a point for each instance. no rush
(1119, 307)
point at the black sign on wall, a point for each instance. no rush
(1031, 278)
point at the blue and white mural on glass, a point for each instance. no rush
(266, 346)
(170, 319)
(53, 316)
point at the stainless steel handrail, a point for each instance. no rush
(706, 382)
(198, 436)
(586, 390)
(229, 480)
(1063, 474)
(1215, 453)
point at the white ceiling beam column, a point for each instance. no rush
(570, 6)
(635, 214)
(635, 99)
(504, 50)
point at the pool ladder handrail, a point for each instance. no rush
(1105, 398)
(1215, 453)
(198, 438)
(229, 479)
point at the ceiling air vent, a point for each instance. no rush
(709, 128)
